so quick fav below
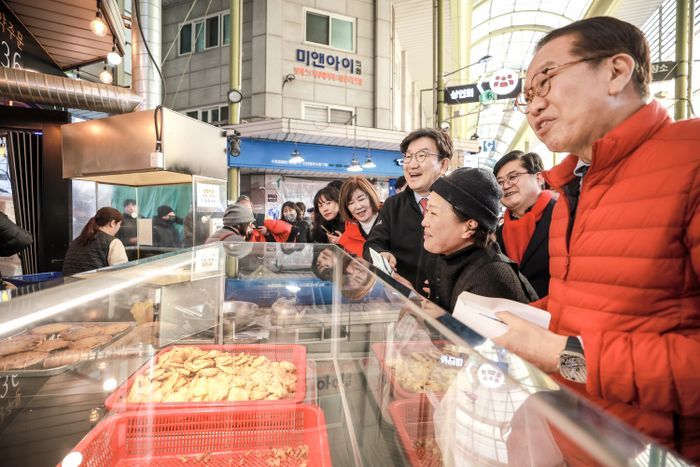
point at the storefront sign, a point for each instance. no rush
(503, 82)
(206, 261)
(663, 71)
(208, 195)
(18, 49)
(261, 154)
(321, 66)
(321, 60)
(469, 93)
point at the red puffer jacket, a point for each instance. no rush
(352, 239)
(627, 281)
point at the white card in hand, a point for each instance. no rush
(479, 313)
(380, 262)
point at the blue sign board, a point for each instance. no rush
(263, 154)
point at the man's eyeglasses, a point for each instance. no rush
(512, 179)
(420, 156)
(541, 82)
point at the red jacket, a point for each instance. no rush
(352, 239)
(279, 229)
(627, 282)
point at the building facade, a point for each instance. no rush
(318, 60)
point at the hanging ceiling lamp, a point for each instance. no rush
(369, 163)
(295, 156)
(354, 166)
(98, 25)
(113, 57)
(106, 76)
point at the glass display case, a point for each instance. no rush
(276, 354)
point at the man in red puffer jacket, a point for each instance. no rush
(625, 234)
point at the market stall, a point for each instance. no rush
(274, 354)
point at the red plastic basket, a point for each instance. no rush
(292, 353)
(383, 350)
(224, 436)
(413, 419)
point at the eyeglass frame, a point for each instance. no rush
(528, 96)
(513, 178)
(419, 160)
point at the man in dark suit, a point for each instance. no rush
(524, 234)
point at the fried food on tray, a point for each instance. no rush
(90, 342)
(19, 344)
(21, 360)
(81, 332)
(422, 371)
(114, 328)
(65, 357)
(53, 328)
(51, 344)
(190, 374)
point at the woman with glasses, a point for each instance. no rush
(524, 234)
(359, 206)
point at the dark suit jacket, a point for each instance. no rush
(535, 263)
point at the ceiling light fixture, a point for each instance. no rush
(113, 57)
(98, 25)
(106, 76)
(369, 163)
(295, 156)
(354, 166)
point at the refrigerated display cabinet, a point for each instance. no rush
(378, 381)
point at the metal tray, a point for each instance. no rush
(38, 370)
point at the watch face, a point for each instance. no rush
(235, 96)
(572, 367)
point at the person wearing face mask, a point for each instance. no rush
(96, 247)
(524, 235)
(359, 206)
(164, 232)
(292, 214)
(327, 225)
(397, 234)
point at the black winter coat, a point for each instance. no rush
(13, 238)
(165, 234)
(482, 271)
(319, 235)
(535, 262)
(398, 230)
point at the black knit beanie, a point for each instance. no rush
(164, 210)
(473, 193)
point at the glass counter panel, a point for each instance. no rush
(157, 361)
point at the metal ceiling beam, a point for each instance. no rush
(518, 12)
(513, 28)
(601, 8)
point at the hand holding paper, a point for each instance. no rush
(479, 313)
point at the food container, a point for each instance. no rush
(413, 419)
(295, 354)
(385, 351)
(214, 436)
(38, 369)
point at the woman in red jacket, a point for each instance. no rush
(359, 206)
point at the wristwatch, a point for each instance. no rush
(572, 361)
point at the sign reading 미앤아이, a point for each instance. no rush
(321, 65)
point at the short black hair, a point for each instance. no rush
(442, 139)
(129, 201)
(531, 161)
(400, 182)
(337, 184)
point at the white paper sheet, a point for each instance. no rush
(380, 262)
(479, 313)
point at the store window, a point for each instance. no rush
(226, 29)
(330, 30)
(205, 33)
(327, 113)
(215, 115)
(186, 39)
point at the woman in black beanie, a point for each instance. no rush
(459, 227)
